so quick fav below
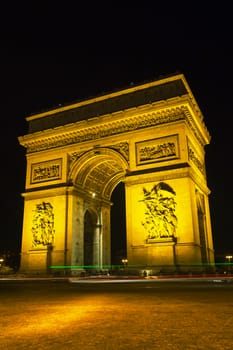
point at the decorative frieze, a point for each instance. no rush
(90, 133)
(195, 160)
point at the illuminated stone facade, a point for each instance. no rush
(151, 137)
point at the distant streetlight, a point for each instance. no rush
(124, 261)
(1, 262)
(229, 257)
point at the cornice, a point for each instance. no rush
(48, 192)
(116, 124)
(187, 172)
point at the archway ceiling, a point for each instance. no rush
(100, 173)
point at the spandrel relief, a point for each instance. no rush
(43, 225)
(160, 220)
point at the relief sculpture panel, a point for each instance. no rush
(157, 150)
(46, 171)
(43, 225)
(160, 220)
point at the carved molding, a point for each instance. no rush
(161, 240)
(46, 140)
(122, 148)
(73, 157)
(83, 131)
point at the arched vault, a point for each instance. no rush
(98, 172)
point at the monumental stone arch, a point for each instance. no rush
(150, 137)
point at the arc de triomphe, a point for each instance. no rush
(151, 137)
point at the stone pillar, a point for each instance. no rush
(77, 261)
(106, 236)
(97, 258)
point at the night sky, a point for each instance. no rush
(53, 56)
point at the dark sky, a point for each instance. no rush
(52, 56)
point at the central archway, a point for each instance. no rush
(97, 177)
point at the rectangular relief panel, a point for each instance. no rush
(46, 171)
(157, 150)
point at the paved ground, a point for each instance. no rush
(158, 314)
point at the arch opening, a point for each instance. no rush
(99, 171)
(98, 177)
(118, 225)
(89, 239)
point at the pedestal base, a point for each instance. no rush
(39, 260)
(161, 253)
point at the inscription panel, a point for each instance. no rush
(46, 171)
(157, 150)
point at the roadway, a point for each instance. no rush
(143, 314)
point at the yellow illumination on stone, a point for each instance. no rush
(152, 137)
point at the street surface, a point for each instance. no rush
(86, 315)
